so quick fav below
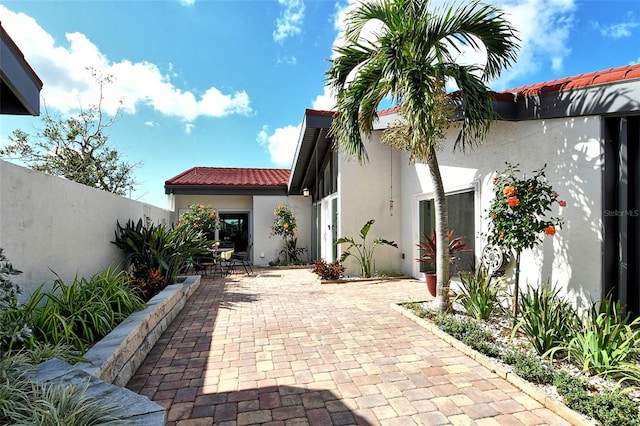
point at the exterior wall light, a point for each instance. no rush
(305, 192)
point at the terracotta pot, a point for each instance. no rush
(431, 279)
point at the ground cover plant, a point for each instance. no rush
(25, 402)
(479, 293)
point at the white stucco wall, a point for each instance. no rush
(365, 192)
(51, 224)
(571, 150)
(267, 247)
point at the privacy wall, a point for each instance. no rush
(51, 225)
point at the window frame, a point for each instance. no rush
(477, 216)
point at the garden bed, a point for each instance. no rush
(557, 384)
(117, 356)
(502, 370)
(364, 280)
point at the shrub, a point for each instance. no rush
(155, 253)
(83, 311)
(200, 218)
(478, 295)
(546, 319)
(605, 342)
(328, 271)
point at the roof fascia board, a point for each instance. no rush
(296, 157)
(611, 98)
(224, 190)
(16, 73)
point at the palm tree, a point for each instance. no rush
(410, 59)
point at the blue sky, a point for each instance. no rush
(226, 83)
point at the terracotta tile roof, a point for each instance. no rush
(231, 176)
(583, 80)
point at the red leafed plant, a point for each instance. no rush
(427, 247)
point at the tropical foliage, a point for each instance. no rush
(479, 293)
(360, 251)
(547, 319)
(154, 254)
(428, 248)
(328, 271)
(410, 59)
(608, 342)
(81, 312)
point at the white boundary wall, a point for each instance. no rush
(51, 224)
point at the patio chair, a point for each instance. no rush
(241, 258)
(223, 262)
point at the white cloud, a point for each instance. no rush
(150, 123)
(288, 60)
(187, 2)
(290, 21)
(326, 101)
(619, 30)
(67, 81)
(543, 28)
(281, 144)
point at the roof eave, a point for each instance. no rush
(225, 190)
(19, 85)
(313, 144)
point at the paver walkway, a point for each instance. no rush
(279, 348)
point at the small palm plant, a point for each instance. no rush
(360, 251)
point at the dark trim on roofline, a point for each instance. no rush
(224, 190)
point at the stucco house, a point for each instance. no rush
(245, 199)
(585, 128)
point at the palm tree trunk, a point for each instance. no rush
(442, 235)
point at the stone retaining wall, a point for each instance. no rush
(116, 357)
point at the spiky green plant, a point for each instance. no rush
(360, 250)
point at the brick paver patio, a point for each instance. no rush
(279, 348)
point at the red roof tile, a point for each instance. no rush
(225, 176)
(583, 80)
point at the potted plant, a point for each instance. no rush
(427, 248)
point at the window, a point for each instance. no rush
(461, 220)
(621, 210)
